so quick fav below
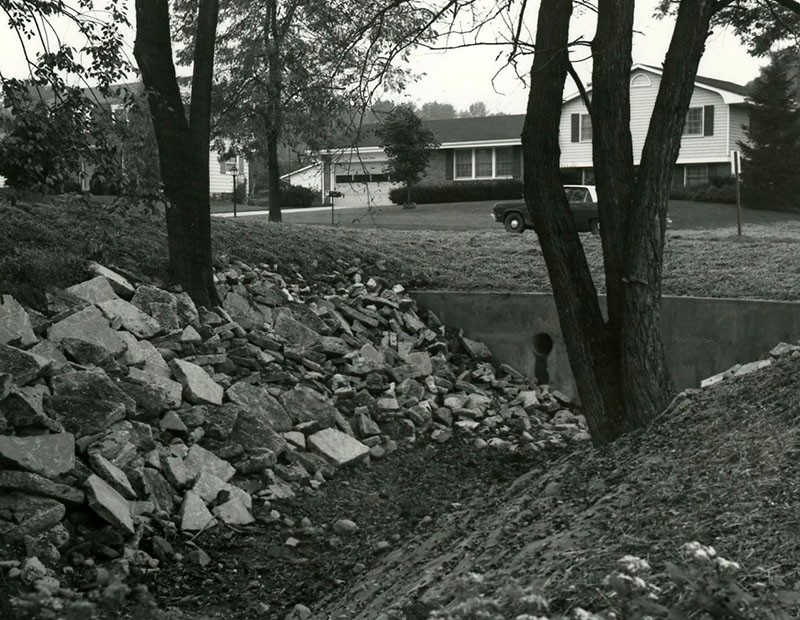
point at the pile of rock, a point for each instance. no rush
(782, 349)
(128, 415)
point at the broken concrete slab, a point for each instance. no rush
(87, 402)
(194, 514)
(337, 447)
(95, 291)
(90, 325)
(198, 387)
(259, 402)
(306, 405)
(15, 324)
(23, 366)
(200, 460)
(47, 455)
(24, 515)
(130, 318)
(119, 283)
(34, 484)
(109, 504)
(234, 512)
(172, 390)
(112, 474)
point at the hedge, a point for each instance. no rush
(718, 189)
(460, 191)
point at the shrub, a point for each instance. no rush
(718, 189)
(299, 197)
(462, 191)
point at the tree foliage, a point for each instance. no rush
(772, 153)
(291, 72)
(408, 145)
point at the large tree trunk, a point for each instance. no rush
(620, 365)
(183, 146)
(272, 41)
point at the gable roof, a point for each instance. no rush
(730, 91)
(459, 130)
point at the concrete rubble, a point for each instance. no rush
(129, 417)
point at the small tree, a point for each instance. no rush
(769, 174)
(408, 145)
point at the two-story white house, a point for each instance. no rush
(482, 149)
(713, 129)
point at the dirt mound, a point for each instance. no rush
(721, 468)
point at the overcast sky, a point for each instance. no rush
(464, 76)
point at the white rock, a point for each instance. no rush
(198, 387)
(337, 447)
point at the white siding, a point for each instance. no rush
(310, 177)
(643, 99)
(573, 154)
(220, 183)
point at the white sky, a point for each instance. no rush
(464, 76)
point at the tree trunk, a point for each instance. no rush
(183, 146)
(620, 365)
(272, 39)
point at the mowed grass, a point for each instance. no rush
(47, 243)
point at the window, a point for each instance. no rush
(586, 128)
(640, 81)
(696, 174)
(463, 164)
(484, 163)
(694, 122)
(504, 162)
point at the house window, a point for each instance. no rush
(463, 164)
(586, 128)
(484, 163)
(694, 122)
(640, 81)
(696, 174)
(225, 165)
(504, 162)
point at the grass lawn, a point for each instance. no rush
(477, 216)
(47, 244)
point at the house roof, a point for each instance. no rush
(456, 130)
(730, 91)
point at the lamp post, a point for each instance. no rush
(234, 171)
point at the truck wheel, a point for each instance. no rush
(594, 227)
(514, 223)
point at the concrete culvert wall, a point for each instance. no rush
(702, 336)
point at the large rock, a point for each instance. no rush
(49, 350)
(146, 295)
(119, 283)
(91, 326)
(295, 333)
(112, 474)
(110, 505)
(234, 512)
(172, 390)
(24, 408)
(200, 460)
(306, 405)
(35, 484)
(253, 430)
(95, 291)
(157, 489)
(88, 402)
(208, 487)
(48, 455)
(244, 312)
(15, 324)
(24, 515)
(337, 447)
(194, 514)
(23, 366)
(198, 387)
(259, 402)
(130, 318)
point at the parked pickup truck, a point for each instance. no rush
(513, 214)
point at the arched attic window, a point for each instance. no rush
(640, 81)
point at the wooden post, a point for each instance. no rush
(738, 195)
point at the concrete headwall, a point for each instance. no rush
(703, 336)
